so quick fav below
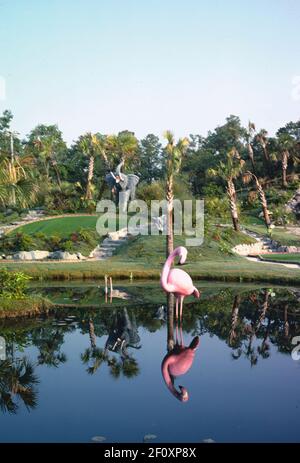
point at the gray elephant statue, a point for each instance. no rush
(122, 185)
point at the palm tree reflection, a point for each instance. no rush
(17, 385)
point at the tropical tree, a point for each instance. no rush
(45, 142)
(123, 146)
(262, 139)
(293, 130)
(18, 184)
(229, 171)
(88, 147)
(247, 177)
(249, 139)
(174, 153)
(286, 146)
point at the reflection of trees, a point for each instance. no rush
(122, 333)
(93, 356)
(49, 341)
(17, 384)
(251, 321)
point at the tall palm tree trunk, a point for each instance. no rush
(170, 321)
(263, 202)
(92, 334)
(267, 160)
(54, 165)
(88, 194)
(13, 177)
(170, 199)
(233, 207)
(284, 164)
(251, 156)
(234, 319)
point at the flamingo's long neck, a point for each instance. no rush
(166, 270)
(167, 378)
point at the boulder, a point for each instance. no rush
(291, 249)
(294, 204)
(31, 255)
(63, 255)
(118, 234)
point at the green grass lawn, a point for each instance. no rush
(278, 234)
(289, 258)
(59, 226)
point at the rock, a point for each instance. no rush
(63, 255)
(294, 204)
(98, 439)
(31, 255)
(148, 437)
(291, 249)
(118, 234)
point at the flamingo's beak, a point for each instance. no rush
(184, 394)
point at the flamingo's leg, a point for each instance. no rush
(181, 307)
(176, 312)
(176, 331)
(181, 336)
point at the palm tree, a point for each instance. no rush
(88, 145)
(174, 153)
(18, 185)
(263, 201)
(170, 321)
(47, 146)
(262, 138)
(286, 145)
(229, 171)
(249, 139)
(124, 145)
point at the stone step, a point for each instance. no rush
(112, 244)
(104, 252)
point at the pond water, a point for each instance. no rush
(92, 369)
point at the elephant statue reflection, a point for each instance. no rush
(123, 334)
(123, 186)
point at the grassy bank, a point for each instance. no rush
(144, 257)
(282, 236)
(28, 307)
(285, 258)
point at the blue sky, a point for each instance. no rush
(149, 65)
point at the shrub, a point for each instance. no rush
(23, 242)
(13, 284)
(154, 191)
(85, 235)
(39, 236)
(54, 242)
(67, 246)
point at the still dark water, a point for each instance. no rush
(89, 371)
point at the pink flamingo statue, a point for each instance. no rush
(177, 281)
(176, 363)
